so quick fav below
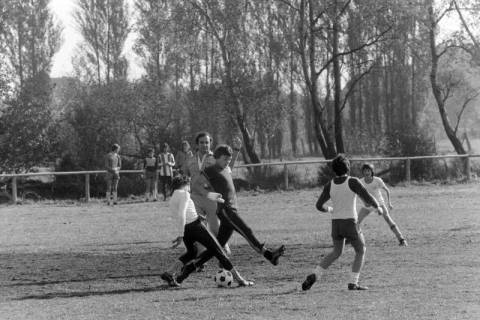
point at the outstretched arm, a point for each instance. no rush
(357, 187)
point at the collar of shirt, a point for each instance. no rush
(202, 160)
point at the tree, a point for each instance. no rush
(104, 26)
(441, 94)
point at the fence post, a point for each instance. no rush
(87, 187)
(285, 176)
(407, 171)
(14, 190)
(467, 167)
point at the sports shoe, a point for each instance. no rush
(169, 279)
(273, 256)
(403, 243)
(354, 286)
(309, 281)
(186, 271)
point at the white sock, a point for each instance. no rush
(318, 271)
(355, 277)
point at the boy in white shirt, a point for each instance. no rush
(375, 185)
(343, 191)
(191, 229)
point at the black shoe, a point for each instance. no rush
(354, 286)
(309, 281)
(403, 243)
(273, 256)
(169, 279)
(186, 271)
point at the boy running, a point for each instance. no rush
(191, 229)
(217, 181)
(343, 191)
(374, 186)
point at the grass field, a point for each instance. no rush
(90, 261)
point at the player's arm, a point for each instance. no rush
(356, 186)
(181, 209)
(324, 197)
(172, 160)
(200, 185)
(387, 192)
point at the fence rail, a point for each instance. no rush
(285, 165)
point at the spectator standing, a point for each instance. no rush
(150, 167)
(166, 162)
(113, 163)
(182, 157)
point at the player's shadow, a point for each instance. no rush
(53, 295)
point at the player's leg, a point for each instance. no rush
(115, 181)
(224, 233)
(108, 180)
(207, 239)
(189, 241)
(358, 244)
(231, 216)
(338, 245)
(393, 226)
(362, 214)
(148, 186)
(213, 222)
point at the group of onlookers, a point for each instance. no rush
(158, 170)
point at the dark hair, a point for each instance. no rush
(222, 150)
(340, 165)
(150, 150)
(185, 143)
(165, 145)
(179, 182)
(201, 135)
(115, 147)
(369, 166)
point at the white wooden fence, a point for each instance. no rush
(285, 165)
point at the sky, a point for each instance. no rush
(62, 61)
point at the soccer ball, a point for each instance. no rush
(223, 278)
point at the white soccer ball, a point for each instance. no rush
(223, 278)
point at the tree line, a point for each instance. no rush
(290, 77)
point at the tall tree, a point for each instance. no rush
(104, 26)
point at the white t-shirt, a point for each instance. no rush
(374, 188)
(182, 209)
(344, 201)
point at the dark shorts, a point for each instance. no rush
(345, 228)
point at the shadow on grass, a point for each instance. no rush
(42, 283)
(79, 294)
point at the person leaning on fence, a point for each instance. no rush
(113, 163)
(150, 166)
(166, 162)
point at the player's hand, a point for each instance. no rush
(217, 197)
(176, 242)
(379, 211)
(236, 143)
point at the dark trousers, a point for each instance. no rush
(165, 183)
(230, 221)
(197, 232)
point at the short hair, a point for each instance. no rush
(150, 150)
(340, 165)
(165, 145)
(115, 147)
(179, 182)
(369, 166)
(222, 150)
(201, 135)
(185, 143)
